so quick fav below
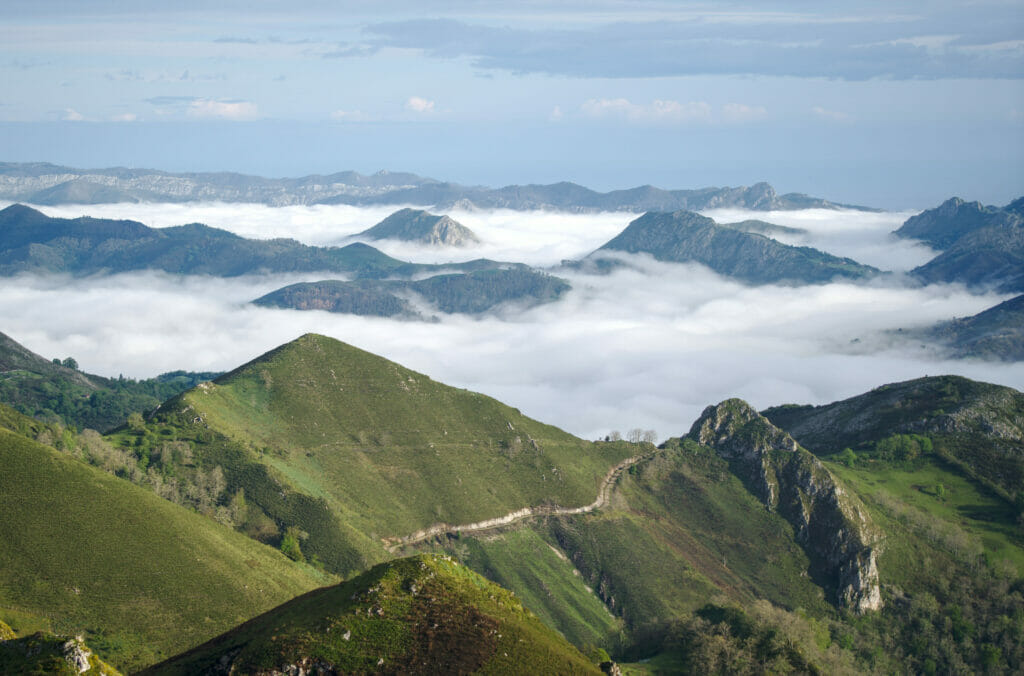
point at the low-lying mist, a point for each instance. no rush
(645, 347)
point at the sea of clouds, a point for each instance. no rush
(645, 347)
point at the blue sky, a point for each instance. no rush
(895, 104)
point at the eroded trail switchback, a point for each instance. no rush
(604, 493)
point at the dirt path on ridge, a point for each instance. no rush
(604, 494)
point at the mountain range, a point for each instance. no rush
(30, 241)
(876, 534)
(47, 184)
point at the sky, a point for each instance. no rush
(647, 347)
(897, 104)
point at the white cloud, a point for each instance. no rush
(350, 116)
(228, 110)
(72, 115)
(124, 117)
(647, 347)
(834, 115)
(931, 43)
(657, 111)
(556, 114)
(419, 105)
(740, 112)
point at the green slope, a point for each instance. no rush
(88, 553)
(352, 448)
(420, 615)
(542, 576)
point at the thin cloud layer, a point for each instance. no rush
(644, 347)
(819, 43)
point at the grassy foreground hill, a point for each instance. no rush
(88, 553)
(419, 615)
(702, 572)
(349, 449)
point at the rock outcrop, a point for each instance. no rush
(45, 653)
(830, 524)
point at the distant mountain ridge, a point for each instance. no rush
(48, 184)
(982, 246)
(684, 236)
(470, 293)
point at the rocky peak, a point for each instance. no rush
(831, 525)
(736, 430)
(415, 225)
(760, 196)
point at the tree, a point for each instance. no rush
(614, 435)
(70, 363)
(290, 544)
(650, 436)
(136, 422)
(635, 435)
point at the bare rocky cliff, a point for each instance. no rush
(830, 524)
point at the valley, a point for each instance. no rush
(301, 503)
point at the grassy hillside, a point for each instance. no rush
(88, 553)
(425, 614)
(545, 580)
(685, 521)
(350, 448)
